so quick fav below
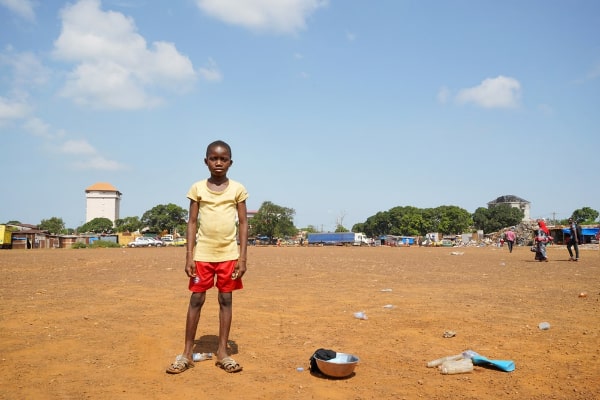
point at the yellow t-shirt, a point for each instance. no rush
(216, 239)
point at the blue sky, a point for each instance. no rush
(338, 109)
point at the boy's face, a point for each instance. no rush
(218, 160)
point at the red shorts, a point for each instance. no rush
(206, 273)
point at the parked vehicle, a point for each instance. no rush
(156, 242)
(141, 242)
(167, 241)
(179, 242)
(338, 239)
(5, 237)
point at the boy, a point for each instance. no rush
(218, 201)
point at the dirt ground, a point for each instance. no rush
(105, 323)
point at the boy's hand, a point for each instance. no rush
(190, 269)
(239, 271)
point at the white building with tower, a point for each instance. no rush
(513, 201)
(103, 200)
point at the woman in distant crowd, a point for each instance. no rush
(510, 239)
(542, 237)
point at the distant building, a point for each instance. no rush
(513, 201)
(103, 200)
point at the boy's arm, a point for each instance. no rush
(192, 228)
(243, 236)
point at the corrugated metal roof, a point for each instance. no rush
(509, 198)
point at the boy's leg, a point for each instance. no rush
(225, 316)
(576, 250)
(191, 324)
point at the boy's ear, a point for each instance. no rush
(230, 163)
(205, 162)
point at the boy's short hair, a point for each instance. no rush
(218, 143)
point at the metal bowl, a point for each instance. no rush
(339, 367)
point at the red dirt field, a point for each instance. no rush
(105, 323)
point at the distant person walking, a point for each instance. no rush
(542, 237)
(510, 239)
(574, 239)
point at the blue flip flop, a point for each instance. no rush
(478, 359)
(502, 365)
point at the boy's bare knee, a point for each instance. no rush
(197, 299)
(225, 299)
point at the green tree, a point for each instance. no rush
(378, 224)
(340, 228)
(310, 229)
(454, 220)
(53, 225)
(128, 224)
(169, 217)
(481, 218)
(413, 221)
(273, 221)
(497, 217)
(97, 225)
(585, 215)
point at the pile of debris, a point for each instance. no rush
(524, 232)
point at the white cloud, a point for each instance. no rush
(350, 36)
(77, 147)
(115, 68)
(499, 92)
(281, 16)
(89, 157)
(23, 8)
(107, 85)
(211, 72)
(12, 109)
(38, 128)
(99, 163)
(27, 69)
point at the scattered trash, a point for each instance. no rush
(452, 367)
(389, 306)
(583, 294)
(300, 369)
(440, 361)
(462, 363)
(385, 290)
(457, 253)
(201, 356)
(360, 315)
(544, 326)
(478, 359)
(449, 334)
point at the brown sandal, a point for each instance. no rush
(228, 364)
(180, 365)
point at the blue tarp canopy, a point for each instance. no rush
(584, 231)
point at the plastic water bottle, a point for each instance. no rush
(360, 315)
(457, 367)
(470, 354)
(201, 356)
(440, 361)
(544, 326)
